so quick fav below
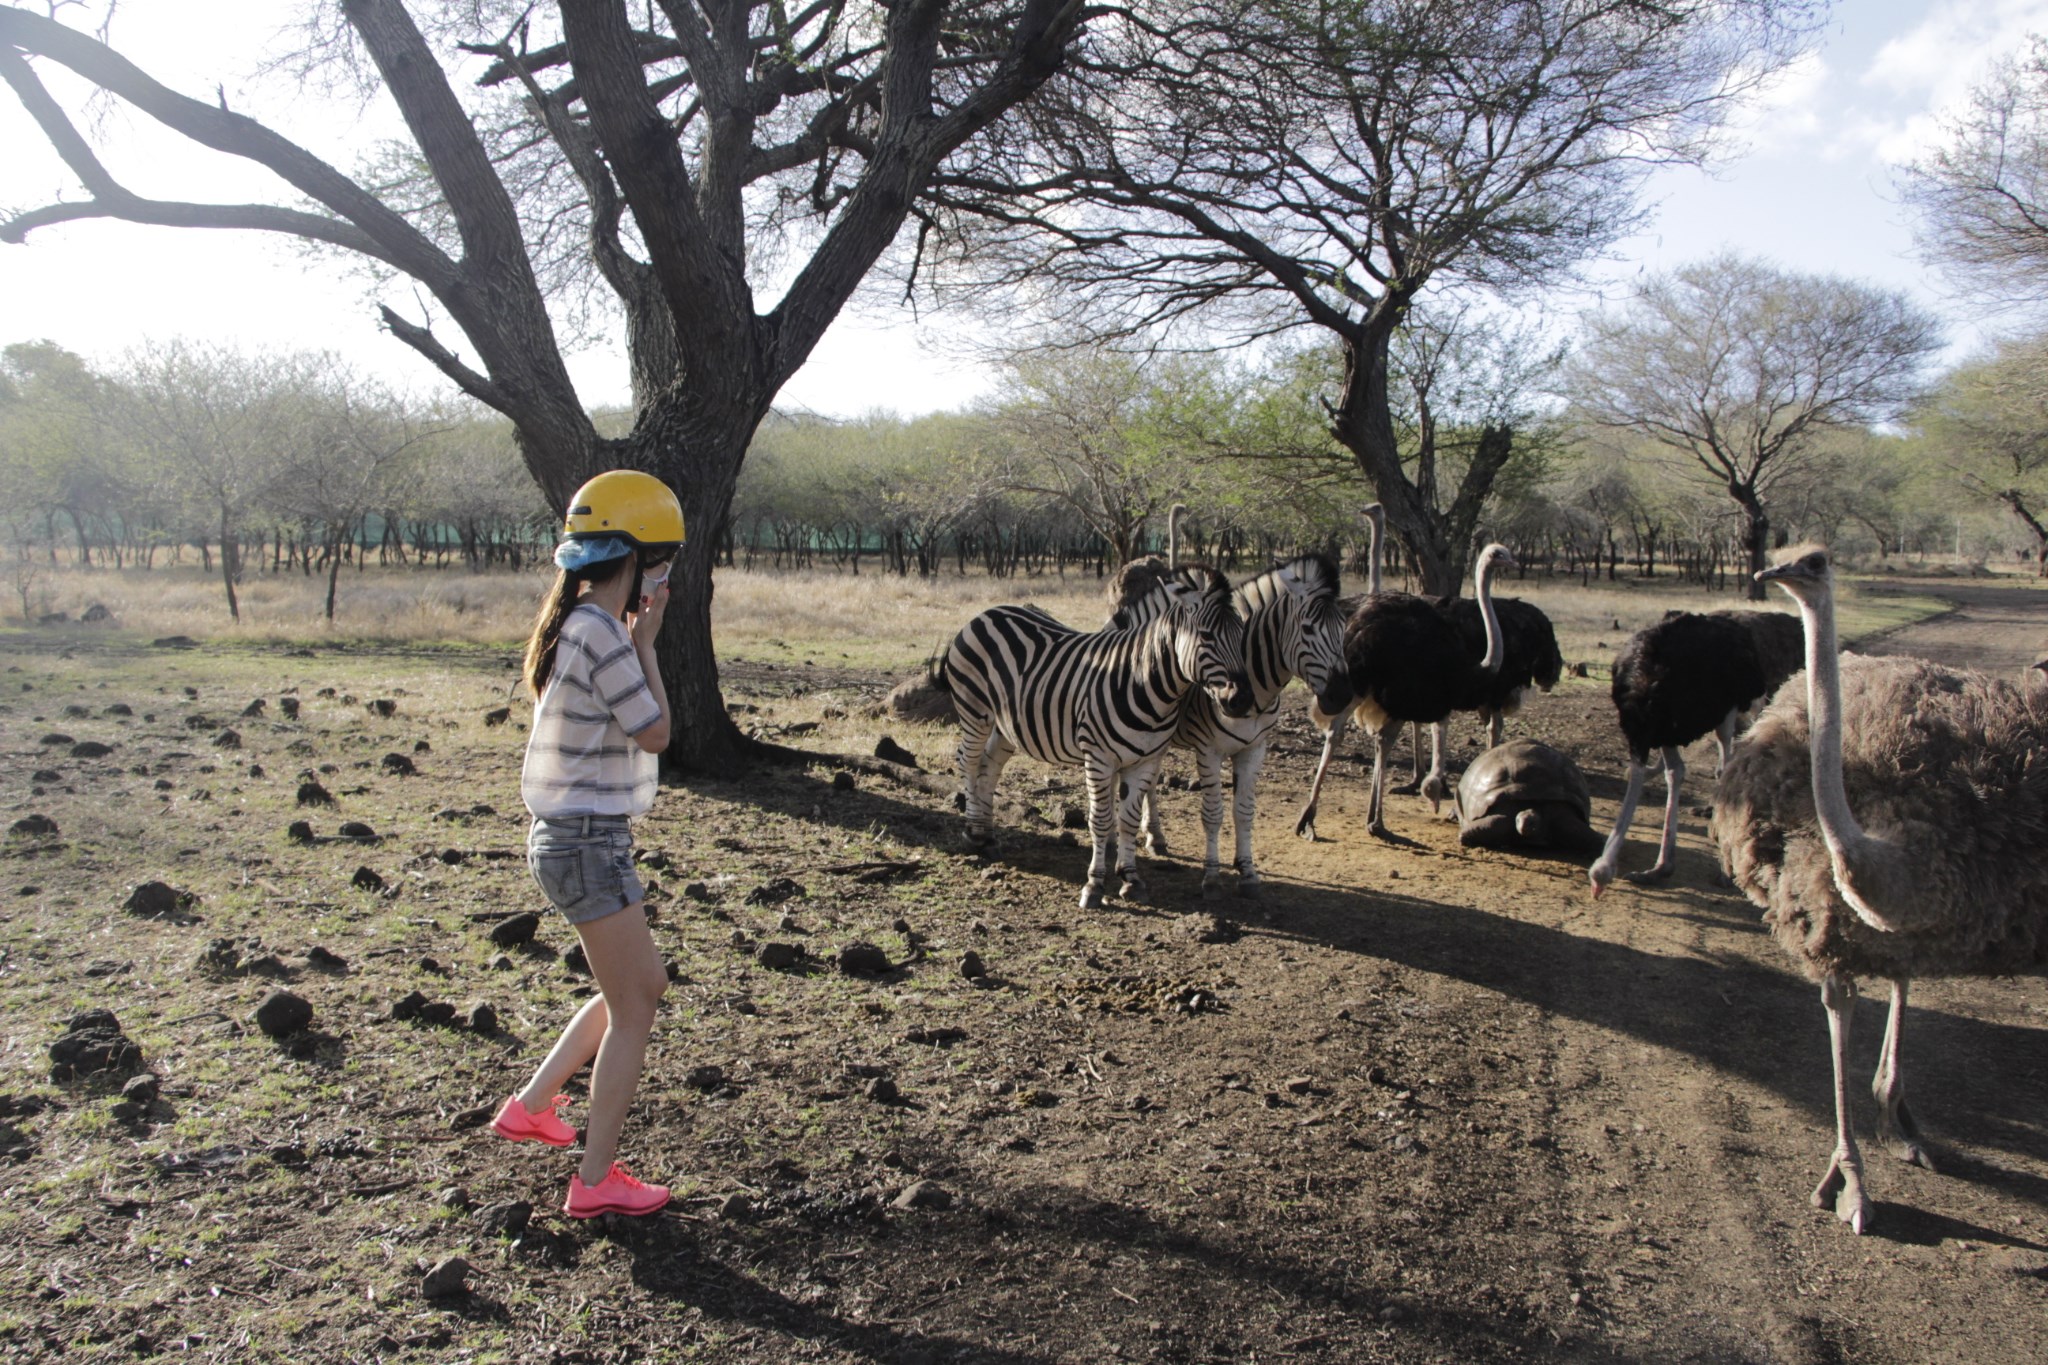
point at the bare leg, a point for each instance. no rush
(1306, 825)
(1413, 784)
(572, 1051)
(1842, 1185)
(1667, 851)
(1244, 795)
(628, 969)
(1496, 729)
(1724, 744)
(1102, 822)
(1434, 787)
(1896, 1128)
(1209, 770)
(1376, 809)
(1602, 871)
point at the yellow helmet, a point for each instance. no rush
(626, 503)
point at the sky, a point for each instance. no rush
(1806, 180)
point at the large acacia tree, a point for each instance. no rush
(1245, 168)
(681, 141)
(1736, 367)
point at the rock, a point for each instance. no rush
(56, 740)
(142, 1090)
(299, 832)
(198, 722)
(92, 1042)
(706, 1078)
(481, 1019)
(499, 716)
(700, 892)
(33, 827)
(255, 770)
(220, 957)
(398, 765)
(780, 957)
(157, 900)
(290, 707)
(1202, 927)
(514, 930)
(456, 1198)
(408, 1006)
(91, 748)
(174, 642)
(264, 964)
(576, 960)
(888, 749)
(420, 746)
(882, 1090)
(46, 775)
(119, 708)
(502, 963)
(125, 1111)
(971, 965)
(255, 708)
(925, 1194)
(313, 794)
(735, 1208)
(508, 1219)
(366, 879)
(842, 782)
(317, 956)
(774, 892)
(96, 613)
(863, 959)
(437, 1012)
(381, 706)
(356, 829)
(283, 1013)
(227, 739)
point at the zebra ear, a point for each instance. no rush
(1291, 581)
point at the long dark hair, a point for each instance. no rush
(562, 598)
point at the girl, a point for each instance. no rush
(601, 717)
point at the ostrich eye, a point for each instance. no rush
(1817, 563)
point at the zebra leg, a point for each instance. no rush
(1306, 825)
(1209, 771)
(1131, 884)
(1244, 803)
(1101, 827)
(1148, 822)
(975, 733)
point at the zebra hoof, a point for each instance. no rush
(1155, 848)
(1212, 886)
(1091, 896)
(980, 835)
(1133, 888)
(1252, 884)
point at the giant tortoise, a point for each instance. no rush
(1523, 794)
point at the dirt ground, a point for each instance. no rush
(1417, 1104)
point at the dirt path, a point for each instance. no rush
(1997, 629)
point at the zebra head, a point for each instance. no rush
(1208, 638)
(1314, 643)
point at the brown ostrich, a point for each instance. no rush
(1889, 816)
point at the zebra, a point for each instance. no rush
(1292, 629)
(1109, 701)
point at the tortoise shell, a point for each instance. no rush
(1524, 775)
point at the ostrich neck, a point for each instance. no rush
(1495, 647)
(1872, 874)
(1173, 537)
(1372, 558)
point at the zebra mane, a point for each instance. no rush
(1137, 595)
(1317, 573)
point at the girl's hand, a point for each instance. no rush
(646, 623)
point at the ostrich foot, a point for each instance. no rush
(1650, 876)
(1091, 896)
(1900, 1134)
(1842, 1190)
(1406, 788)
(1306, 825)
(1379, 831)
(1133, 888)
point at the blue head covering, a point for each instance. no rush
(581, 554)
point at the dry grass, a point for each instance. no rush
(870, 621)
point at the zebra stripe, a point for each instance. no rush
(1109, 701)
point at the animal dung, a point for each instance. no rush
(32, 827)
(282, 1014)
(91, 1043)
(398, 765)
(863, 959)
(514, 930)
(227, 739)
(382, 706)
(498, 716)
(157, 900)
(366, 879)
(890, 751)
(313, 794)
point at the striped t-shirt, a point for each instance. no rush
(581, 758)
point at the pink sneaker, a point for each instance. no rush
(516, 1123)
(616, 1193)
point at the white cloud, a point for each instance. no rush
(1788, 105)
(1929, 70)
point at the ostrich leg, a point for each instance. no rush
(1610, 856)
(1895, 1126)
(1496, 729)
(1306, 825)
(1435, 789)
(1413, 784)
(1724, 744)
(1667, 851)
(1842, 1185)
(1376, 810)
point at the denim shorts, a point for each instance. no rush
(584, 865)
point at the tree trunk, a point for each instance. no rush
(1756, 538)
(227, 565)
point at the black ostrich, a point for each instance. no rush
(1691, 674)
(1408, 664)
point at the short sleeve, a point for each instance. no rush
(617, 680)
